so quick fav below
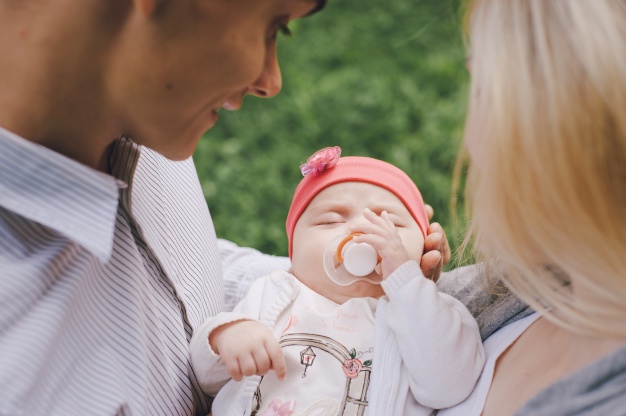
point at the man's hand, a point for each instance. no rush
(248, 348)
(436, 249)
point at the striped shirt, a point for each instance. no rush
(100, 296)
(97, 305)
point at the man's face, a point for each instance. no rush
(330, 214)
(175, 68)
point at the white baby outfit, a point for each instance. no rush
(329, 372)
(412, 350)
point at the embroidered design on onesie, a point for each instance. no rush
(353, 368)
(328, 350)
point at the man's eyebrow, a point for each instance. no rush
(320, 5)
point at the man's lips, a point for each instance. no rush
(230, 106)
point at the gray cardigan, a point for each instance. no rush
(597, 390)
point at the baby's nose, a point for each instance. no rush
(354, 222)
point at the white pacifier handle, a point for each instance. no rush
(347, 262)
(359, 259)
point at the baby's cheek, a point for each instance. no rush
(414, 246)
(303, 263)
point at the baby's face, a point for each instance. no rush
(328, 215)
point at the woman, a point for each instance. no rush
(546, 136)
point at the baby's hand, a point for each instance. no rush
(248, 348)
(381, 233)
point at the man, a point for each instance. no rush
(108, 258)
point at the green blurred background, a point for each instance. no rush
(380, 78)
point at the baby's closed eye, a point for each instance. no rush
(398, 220)
(330, 219)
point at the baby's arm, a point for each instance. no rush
(234, 344)
(437, 337)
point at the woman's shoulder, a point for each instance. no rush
(598, 389)
(490, 303)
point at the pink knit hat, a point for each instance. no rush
(326, 168)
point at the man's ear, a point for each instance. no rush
(148, 7)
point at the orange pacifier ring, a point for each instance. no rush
(342, 244)
(346, 263)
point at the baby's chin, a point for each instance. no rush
(360, 290)
(321, 283)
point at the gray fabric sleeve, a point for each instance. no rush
(492, 305)
(598, 389)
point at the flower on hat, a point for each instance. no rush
(321, 161)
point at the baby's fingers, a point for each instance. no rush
(263, 361)
(388, 222)
(247, 365)
(374, 224)
(232, 365)
(277, 359)
(382, 220)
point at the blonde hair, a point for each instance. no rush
(547, 180)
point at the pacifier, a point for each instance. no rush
(347, 262)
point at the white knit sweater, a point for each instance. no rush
(427, 347)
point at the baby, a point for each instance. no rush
(354, 327)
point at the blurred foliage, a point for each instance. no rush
(384, 79)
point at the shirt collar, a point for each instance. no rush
(59, 193)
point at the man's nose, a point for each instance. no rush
(270, 82)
